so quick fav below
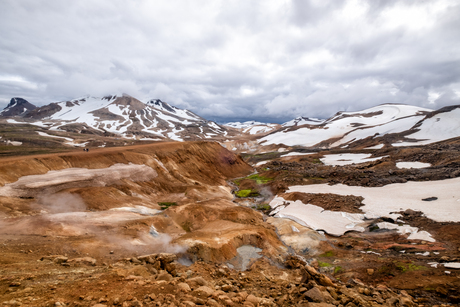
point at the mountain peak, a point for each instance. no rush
(17, 106)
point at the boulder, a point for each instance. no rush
(84, 260)
(183, 287)
(203, 291)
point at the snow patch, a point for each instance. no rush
(412, 165)
(298, 154)
(379, 146)
(380, 201)
(348, 158)
(452, 265)
(53, 136)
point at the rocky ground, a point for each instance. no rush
(172, 238)
(375, 256)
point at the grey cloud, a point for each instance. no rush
(239, 59)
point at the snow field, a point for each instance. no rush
(379, 202)
(348, 158)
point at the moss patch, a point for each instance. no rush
(247, 193)
(263, 207)
(256, 177)
(328, 254)
(324, 264)
(409, 267)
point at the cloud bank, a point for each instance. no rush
(229, 60)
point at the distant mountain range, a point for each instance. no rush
(120, 115)
(128, 117)
(387, 124)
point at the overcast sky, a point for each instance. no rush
(229, 60)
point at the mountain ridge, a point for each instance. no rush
(398, 122)
(128, 117)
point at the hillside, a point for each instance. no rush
(388, 124)
(123, 116)
(191, 223)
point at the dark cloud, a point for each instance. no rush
(263, 60)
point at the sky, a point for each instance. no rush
(234, 60)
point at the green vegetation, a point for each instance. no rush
(256, 177)
(317, 161)
(324, 264)
(263, 207)
(337, 269)
(373, 228)
(166, 205)
(247, 193)
(328, 254)
(409, 267)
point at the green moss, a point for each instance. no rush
(327, 254)
(337, 269)
(166, 205)
(247, 193)
(263, 207)
(409, 267)
(324, 264)
(256, 177)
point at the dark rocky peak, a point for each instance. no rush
(17, 107)
(157, 103)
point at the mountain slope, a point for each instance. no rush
(126, 116)
(408, 125)
(17, 107)
(252, 127)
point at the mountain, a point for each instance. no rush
(252, 127)
(17, 107)
(299, 121)
(125, 116)
(395, 124)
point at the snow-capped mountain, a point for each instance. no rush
(399, 125)
(17, 107)
(253, 127)
(299, 121)
(125, 116)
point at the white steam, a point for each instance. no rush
(61, 203)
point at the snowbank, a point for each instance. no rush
(380, 201)
(348, 158)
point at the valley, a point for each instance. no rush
(241, 215)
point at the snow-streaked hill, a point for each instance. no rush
(408, 125)
(127, 117)
(253, 127)
(299, 121)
